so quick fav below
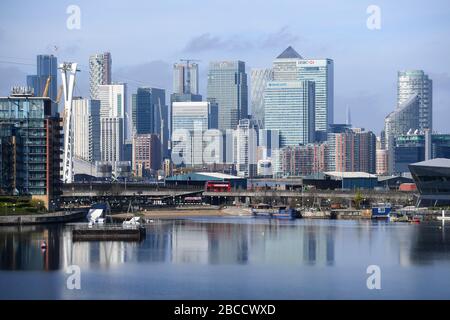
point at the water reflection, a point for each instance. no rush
(229, 242)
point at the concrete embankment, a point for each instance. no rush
(54, 217)
(193, 211)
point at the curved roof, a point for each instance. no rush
(438, 162)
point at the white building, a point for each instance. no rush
(111, 139)
(244, 148)
(99, 72)
(86, 129)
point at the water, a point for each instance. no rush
(232, 258)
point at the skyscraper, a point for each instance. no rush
(86, 129)
(258, 83)
(244, 148)
(146, 154)
(417, 82)
(113, 98)
(399, 122)
(151, 115)
(99, 72)
(227, 86)
(112, 142)
(185, 78)
(291, 66)
(189, 122)
(47, 68)
(289, 108)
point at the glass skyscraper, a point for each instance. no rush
(290, 66)
(227, 86)
(258, 83)
(417, 82)
(289, 108)
(47, 66)
(404, 119)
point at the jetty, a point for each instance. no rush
(109, 232)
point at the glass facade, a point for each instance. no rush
(30, 146)
(417, 82)
(227, 86)
(258, 82)
(289, 108)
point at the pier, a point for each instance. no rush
(109, 233)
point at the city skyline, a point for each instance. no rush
(357, 51)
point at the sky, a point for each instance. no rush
(145, 37)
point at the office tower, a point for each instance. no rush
(47, 69)
(190, 120)
(351, 150)
(414, 146)
(301, 160)
(245, 141)
(258, 83)
(289, 108)
(146, 154)
(417, 82)
(86, 129)
(99, 72)
(112, 142)
(290, 66)
(399, 122)
(151, 114)
(185, 78)
(30, 147)
(227, 86)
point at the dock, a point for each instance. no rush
(109, 233)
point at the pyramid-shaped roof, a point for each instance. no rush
(289, 53)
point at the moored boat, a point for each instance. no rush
(381, 210)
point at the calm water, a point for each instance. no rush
(232, 258)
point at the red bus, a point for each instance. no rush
(217, 186)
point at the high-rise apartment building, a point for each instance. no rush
(289, 108)
(146, 154)
(111, 139)
(399, 122)
(99, 72)
(227, 86)
(244, 148)
(258, 82)
(351, 150)
(47, 69)
(30, 147)
(86, 129)
(416, 82)
(185, 78)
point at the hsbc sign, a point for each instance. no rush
(318, 63)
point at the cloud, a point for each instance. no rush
(282, 37)
(10, 76)
(207, 42)
(151, 74)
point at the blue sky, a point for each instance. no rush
(146, 37)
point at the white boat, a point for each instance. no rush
(133, 222)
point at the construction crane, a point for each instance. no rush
(47, 85)
(188, 74)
